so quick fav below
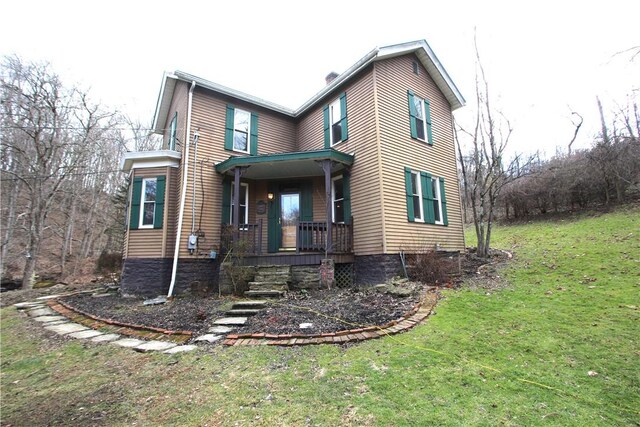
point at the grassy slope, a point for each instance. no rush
(569, 310)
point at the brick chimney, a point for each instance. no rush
(330, 77)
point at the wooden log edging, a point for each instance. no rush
(417, 314)
(96, 322)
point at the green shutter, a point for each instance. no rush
(228, 128)
(346, 191)
(325, 113)
(427, 113)
(272, 219)
(443, 201)
(427, 198)
(412, 116)
(253, 145)
(343, 116)
(409, 192)
(136, 195)
(159, 211)
(226, 201)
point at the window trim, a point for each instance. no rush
(418, 194)
(427, 127)
(333, 106)
(173, 129)
(233, 139)
(143, 202)
(423, 119)
(333, 199)
(246, 205)
(437, 196)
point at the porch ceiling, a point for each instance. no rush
(285, 165)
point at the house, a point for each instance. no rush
(362, 171)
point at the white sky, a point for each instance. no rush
(543, 59)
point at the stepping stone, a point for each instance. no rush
(306, 325)
(58, 322)
(66, 328)
(86, 334)
(254, 303)
(243, 312)
(209, 338)
(154, 346)
(105, 338)
(220, 330)
(48, 319)
(46, 297)
(128, 342)
(155, 301)
(181, 349)
(264, 294)
(231, 321)
(25, 305)
(41, 312)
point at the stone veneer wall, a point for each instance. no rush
(152, 276)
(375, 269)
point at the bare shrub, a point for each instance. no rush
(430, 267)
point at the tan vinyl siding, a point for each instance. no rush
(276, 133)
(148, 242)
(399, 150)
(179, 105)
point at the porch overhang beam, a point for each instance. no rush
(285, 165)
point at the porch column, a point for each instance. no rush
(326, 167)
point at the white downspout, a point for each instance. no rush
(183, 195)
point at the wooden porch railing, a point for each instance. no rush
(311, 236)
(248, 238)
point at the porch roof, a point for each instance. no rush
(286, 165)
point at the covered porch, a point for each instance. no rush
(288, 207)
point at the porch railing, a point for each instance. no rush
(247, 238)
(311, 236)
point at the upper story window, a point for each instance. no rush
(426, 200)
(241, 131)
(420, 118)
(173, 131)
(335, 121)
(147, 202)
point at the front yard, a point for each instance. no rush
(557, 343)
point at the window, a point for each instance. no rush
(241, 122)
(149, 188)
(425, 198)
(437, 203)
(420, 118)
(337, 199)
(147, 202)
(172, 132)
(416, 191)
(416, 70)
(244, 203)
(335, 121)
(241, 131)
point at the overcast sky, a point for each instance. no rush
(543, 59)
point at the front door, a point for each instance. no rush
(289, 217)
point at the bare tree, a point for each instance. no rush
(483, 170)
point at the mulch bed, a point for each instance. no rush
(327, 310)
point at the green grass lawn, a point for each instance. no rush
(514, 356)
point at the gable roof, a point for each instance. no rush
(421, 49)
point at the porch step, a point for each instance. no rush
(265, 294)
(243, 312)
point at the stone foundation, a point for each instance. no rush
(375, 269)
(305, 277)
(152, 276)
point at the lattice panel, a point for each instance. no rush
(343, 275)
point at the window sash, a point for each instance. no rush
(416, 189)
(337, 199)
(335, 115)
(148, 202)
(421, 123)
(437, 200)
(172, 132)
(241, 127)
(244, 204)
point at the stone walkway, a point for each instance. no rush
(84, 326)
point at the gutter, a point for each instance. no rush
(183, 195)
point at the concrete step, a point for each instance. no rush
(265, 293)
(243, 312)
(249, 304)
